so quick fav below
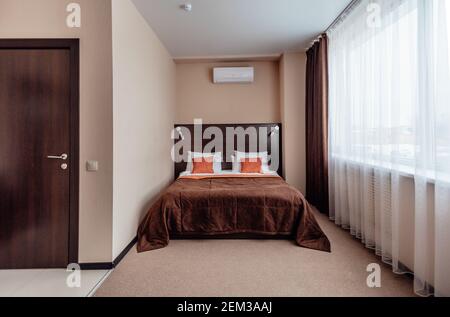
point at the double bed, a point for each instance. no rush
(230, 204)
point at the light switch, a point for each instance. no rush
(92, 166)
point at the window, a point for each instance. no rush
(389, 87)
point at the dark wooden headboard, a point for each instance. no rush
(274, 139)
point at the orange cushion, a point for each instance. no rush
(203, 165)
(251, 165)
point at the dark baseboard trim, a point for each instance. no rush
(96, 266)
(109, 265)
(124, 252)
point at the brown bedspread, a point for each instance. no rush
(230, 205)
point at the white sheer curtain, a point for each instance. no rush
(390, 134)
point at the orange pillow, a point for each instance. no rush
(203, 165)
(251, 165)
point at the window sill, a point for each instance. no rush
(402, 170)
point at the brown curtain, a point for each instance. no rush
(317, 124)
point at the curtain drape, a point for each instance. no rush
(390, 134)
(317, 124)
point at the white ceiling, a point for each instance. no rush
(238, 27)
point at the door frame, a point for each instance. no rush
(73, 45)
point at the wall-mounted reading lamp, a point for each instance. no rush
(180, 132)
(274, 130)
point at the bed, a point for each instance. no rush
(231, 204)
(202, 206)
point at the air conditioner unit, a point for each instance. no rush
(225, 75)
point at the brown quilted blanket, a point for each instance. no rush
(220, 206)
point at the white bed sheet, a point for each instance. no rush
(271, 173)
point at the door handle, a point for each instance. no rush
(61, 157)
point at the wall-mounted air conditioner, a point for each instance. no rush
(223, 75)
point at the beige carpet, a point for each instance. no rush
(247, 268)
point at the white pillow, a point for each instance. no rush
(238, 156)
(217, 165)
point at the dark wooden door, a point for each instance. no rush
(35, 156)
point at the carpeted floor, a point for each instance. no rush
(248, 268)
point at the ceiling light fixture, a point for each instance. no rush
(186, 7)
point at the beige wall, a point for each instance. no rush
(144, 112)
(293, 117)
(278, 95)
(146, 82)
(47, 19)
(198, 97)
